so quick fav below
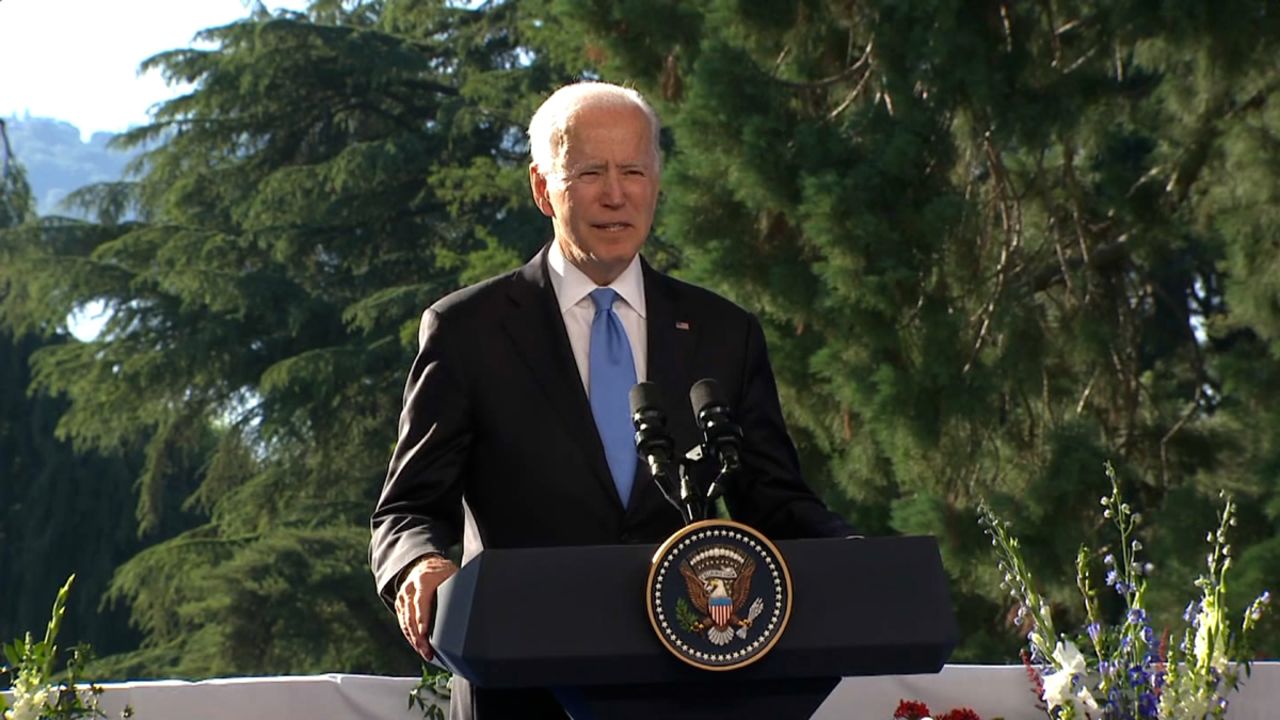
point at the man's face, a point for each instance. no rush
(602, 194)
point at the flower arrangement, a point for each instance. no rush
(915, 710)
(1125, 671)
(35, 695)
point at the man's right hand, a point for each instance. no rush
(415, 597)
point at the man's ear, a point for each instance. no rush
(538, 184)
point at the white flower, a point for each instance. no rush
(29, 697)
(27, 707)
(1068, 657)
(1086, 699)
(1195, 706)
(1058, 686)
(1211, 642)
(1057, 689)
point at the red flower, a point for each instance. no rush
(1033, 676)
(959, 714)
(910, 710)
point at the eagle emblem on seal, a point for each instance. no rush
(719, 582)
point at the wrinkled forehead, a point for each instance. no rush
(621, 134)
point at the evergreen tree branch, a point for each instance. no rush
(865, 61)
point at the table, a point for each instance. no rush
(992, 691)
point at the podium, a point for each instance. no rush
(575, 617)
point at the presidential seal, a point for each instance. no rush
(719, 594)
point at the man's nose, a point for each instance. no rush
(613, 195)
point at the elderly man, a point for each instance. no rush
(515, 430)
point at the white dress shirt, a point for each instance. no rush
(573, 293)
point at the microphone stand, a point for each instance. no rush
(695, 504)
(729, 466)
(677, 503)
(690, 499)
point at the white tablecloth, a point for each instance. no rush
(992, 691)
(1005, 691)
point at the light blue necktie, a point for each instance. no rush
(612, 373)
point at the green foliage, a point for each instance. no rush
(252, 604)
(686, 616)
(36, 694)
(331, 174)
(431, 694)
(60, 511)
(15, 193)
(1125, 670)
(991, 245)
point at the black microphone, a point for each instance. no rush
(654, 444)
(722, 438)
(653, 441)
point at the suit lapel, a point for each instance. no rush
(672, 339)
(537, 330)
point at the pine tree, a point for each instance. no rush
(993, 245)
(59, 510)
(331, 174)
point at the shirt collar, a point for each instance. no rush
(572, 285)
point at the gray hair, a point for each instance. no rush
(546, 129)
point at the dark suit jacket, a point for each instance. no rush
(495, 416)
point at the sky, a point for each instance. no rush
(77, 60)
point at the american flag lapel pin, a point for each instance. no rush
(682, 325)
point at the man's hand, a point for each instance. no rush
(415, 597)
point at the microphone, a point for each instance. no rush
(655, 446)
(722, 438)
(653, 441)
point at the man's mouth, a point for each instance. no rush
(611, 227)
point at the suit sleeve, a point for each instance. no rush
(771, 495)
(420, 508)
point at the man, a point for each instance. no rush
(515, 429)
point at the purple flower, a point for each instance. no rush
(1147, 705)
(1255, 610)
